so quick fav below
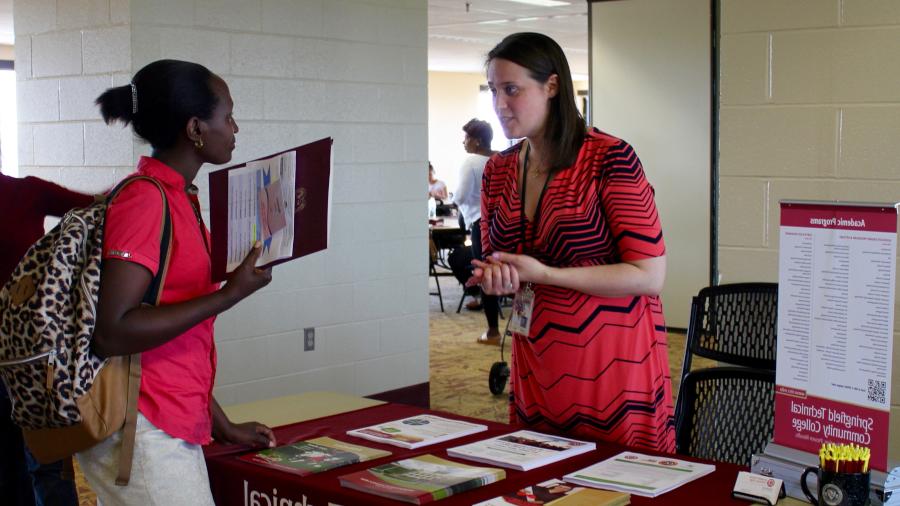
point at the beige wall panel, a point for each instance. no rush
(871, 12)
(836, 66)
(869, 142)
(653, 56)
(738, 265)
(744, 60)
(783, 141)
(452, 101)
(742, 205)
(765, 15)
(792, 189)
(864, 191)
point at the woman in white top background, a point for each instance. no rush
(467, 198)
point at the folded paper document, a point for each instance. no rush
(281, 201)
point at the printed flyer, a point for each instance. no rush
(836, 276)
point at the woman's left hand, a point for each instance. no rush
(502, 273)
(247, 434)
(529, 269)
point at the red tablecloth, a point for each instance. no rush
(234, 482)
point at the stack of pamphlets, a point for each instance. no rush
(559, 493)
(417, 431)
(523, 450)
(644, 475)
(313, 456)
(421, 479)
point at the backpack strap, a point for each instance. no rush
(151, 297)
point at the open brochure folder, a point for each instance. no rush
(639, 474)
(523, 450)
(281, 200)
(417, 431)
(313, 456)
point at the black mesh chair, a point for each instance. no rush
(734, 323)
(726, 413)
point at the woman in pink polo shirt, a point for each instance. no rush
(184, 112)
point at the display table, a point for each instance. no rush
(237, 483)
(296, 408)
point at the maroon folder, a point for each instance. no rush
(310, 207)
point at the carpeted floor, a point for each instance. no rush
(460, 366)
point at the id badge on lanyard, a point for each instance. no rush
(522, 308)
(523, 303)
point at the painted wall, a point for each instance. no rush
(452, 101)
(650, 85)
(810, 109)
(298, 71)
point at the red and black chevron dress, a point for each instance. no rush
(591, 366)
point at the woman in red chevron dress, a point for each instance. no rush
(570, 227)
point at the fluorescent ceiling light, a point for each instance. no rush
(542, 3)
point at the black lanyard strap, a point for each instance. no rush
(537, 209)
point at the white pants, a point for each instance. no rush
(165, 471)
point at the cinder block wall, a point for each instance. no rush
(810, 109)
(298, 70)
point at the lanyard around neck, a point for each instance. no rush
(537, 209)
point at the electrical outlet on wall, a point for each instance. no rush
(309, 339)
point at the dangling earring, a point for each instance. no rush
(198, 143)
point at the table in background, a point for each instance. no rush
(233, 481)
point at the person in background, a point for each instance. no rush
(437, 189)
(477, 142)
(184, 112)
(570, 227)
(24, 204)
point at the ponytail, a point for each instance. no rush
(162, 97)
(116, 105)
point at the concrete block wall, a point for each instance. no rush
(298, 70)
(810, 109)
(66, 54)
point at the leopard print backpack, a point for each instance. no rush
(65, 398)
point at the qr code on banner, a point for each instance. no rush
(876, 391)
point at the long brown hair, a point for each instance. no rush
(543, 57)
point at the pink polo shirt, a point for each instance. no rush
(177, 377)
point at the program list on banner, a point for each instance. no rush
(835, 326)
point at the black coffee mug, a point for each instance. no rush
(837, 489)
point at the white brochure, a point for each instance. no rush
(644, 475)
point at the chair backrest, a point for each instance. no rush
(735, 323)
(726, 413)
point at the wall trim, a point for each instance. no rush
(715, 38)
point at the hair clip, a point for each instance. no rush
(134, 108)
